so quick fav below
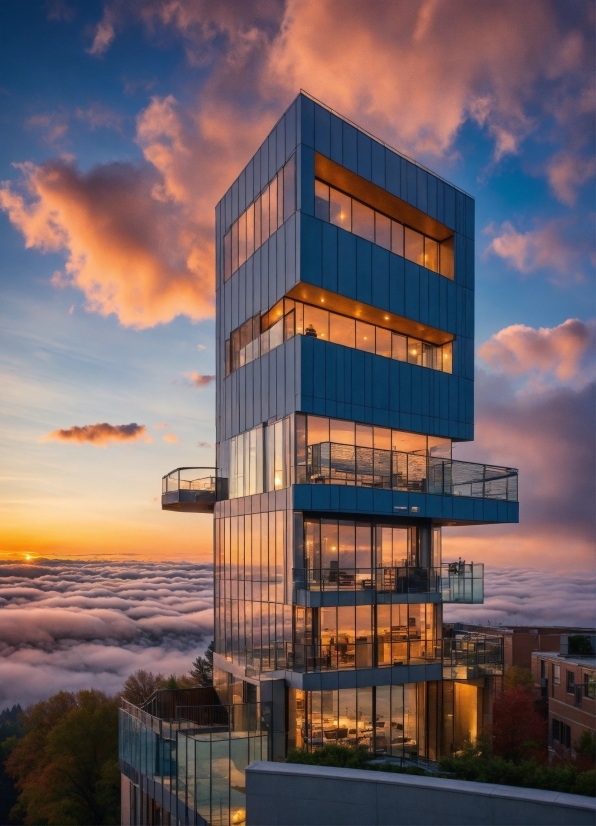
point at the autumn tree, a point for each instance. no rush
(519, 731)
(140, 686)
(65, 767)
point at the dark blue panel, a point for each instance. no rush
(380, 384)
(412, 291)
(364, 156)
(306, 181)
(364, 500)
(460, 212)
(311, 249)
(319, 368)
(449, 216)
(470, 263)
(280, 152)
(280, 236)
(272, 256)
(434, 299)
(443, 285)
(440, 201)
(378, 164)
(416, 391)
(329, 269)
(393, 172)
(363, 270)
(460, 312)
(290, 119)
(336, 139)
(470, 229)
(380, 276)
(347, 499)
(460, 259)
(330, 388)
(421, 189)
(490, 511)
(431, 207)
(451, 307)
(358, 378)
(290, 245)
(264, 164)
(306, 122)
(463, 508)
(350, 152)
(394, 385)
(302, 497)
(271, 140)
(242, 192)
(346, 257)
(397, 289)
(478, 510)
(405, 388)
(412, 183)
(423, 275)
(322, 131)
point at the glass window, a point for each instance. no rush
(364, 435)
(242, 239)
(556, 674)
(399, 347)
(363, 221)
(318, 430)
(408, 442)
(414, 246)
(446, 265)
(316, 322)
(299, 318)
(414, 351)
(290, 187)
(439, 447)
(447, 358)
(429, 352)
(321, 201)
(431, 254)
(365, 337)
(570, 682)
(250, 230)
(382, 438)
(383, 344)
(258, 231)
(340, 209)
(397, 238)
(329, 543)
(382, 230)
(342, 432)
(342, 330)
(590, 685)
(265, 215)
(273, 206)
(280, 198)
(276, 334)
(234, 246)
(227, 255)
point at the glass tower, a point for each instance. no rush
(345, 347)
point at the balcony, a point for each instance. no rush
(192, 489)
(468, 656)
(459, 582)
(330, 463)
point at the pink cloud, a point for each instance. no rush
(99, 116)
(558, 351)
(198, 379)
(567, 172)
(100, 434)
(543, 248)
(171, 438)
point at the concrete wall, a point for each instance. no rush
(280, 794)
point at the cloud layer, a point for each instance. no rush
(100, 434)
(72, 624)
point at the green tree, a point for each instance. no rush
(65, 767)
(515, 675)
(202, 667)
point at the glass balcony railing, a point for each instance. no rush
(473, 655)
(468, 656)
(203, 763)
(460, 582)
(193, 489)
(330, 463)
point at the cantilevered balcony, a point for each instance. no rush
(469, 656)
(192, 489)
(330, 463)
(460, 582)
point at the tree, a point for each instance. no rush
(140, 686)
(515, 675)
(10, 731)
(202, 667)
(66, 766)
(519, 731)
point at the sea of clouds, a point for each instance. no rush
(71, 624)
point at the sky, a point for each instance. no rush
(123, 122)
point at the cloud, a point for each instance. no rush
(556, 351)
(204, 444)
(171, 437)
(198, 379)
(71, 624)
(160, 426)
(54, 125)
(542, 248)
(130, 251)
(567, 172)
(529, 596)
(100, 434)
(99, 116)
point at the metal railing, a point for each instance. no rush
(332, 463)
(468, 656)
(461, 582)
(193, 489)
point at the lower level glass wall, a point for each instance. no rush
(203, 766)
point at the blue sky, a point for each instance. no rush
(123, 123)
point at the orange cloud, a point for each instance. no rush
(536, 249)
(100, 434)
(171, 437)
(198, 379)
(129, 252)
(556, 350)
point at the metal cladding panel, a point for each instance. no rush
(350, 147)
(364, 148)
(322, 130)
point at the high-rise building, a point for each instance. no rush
(345, 374)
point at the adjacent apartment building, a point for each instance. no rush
(345, 374)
